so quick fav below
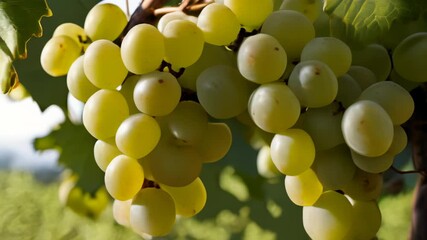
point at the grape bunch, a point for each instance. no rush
(323, 113)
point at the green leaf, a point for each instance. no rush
(76, 153)
(6, 72)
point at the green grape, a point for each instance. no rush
(190, 199)
(292, 151)
(367, 220)
(142, 49)
(188, 123)
(400, 140)
(334, 167)
(222, 91)
(274, 107)
(123, 177)
(322, 25)
(349, 90)
(363, 76)
(103, 64)
(105, 21)
(265, 165)
(104, 152)
(367, 128)
(211, 56)
(323, 125)
(127, 90)
(303, 189)
(405, 83)
(331, 217)
(58, 54)
(183, 43)
(377, 164)
(216, 142)
(332, 51)
(152, 212)
(157, 93)
(73, 31)
(212, 20)
(364, 186)
(314, 83)
(168, 17)
(77, 82)
(147, 171)
(251, 13)
(121, 212)
(281, 23)
(103, 113)
(310, 8)
(375, 57)
(261, 58)
(138, 135)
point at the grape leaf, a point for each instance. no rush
(76, 147)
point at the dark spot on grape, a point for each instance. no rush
(316, 71)
(161, 81)
(276, 48)
(61, 46)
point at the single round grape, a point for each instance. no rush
(127, 90)
(265, 165)
(363, 76)
(77, 82)
(400, 140)
(104, 152)
(103, 113)
(292, 151)
(251, 13)
(349, 90)
(377, 164)
(375, 57)
(303, 189)
(74, 31)
(58, 54)
(121, 212)
(142, 49)
(364, 186)
(310, 8)
(367, 220)
(215, 143)
(124, 177)
(168, 17)
(105, 21)
(261, 58)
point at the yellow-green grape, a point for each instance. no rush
(363, 76)
(332, 51)
(74, 31)
(216, 142)
(143, 49)
(147, 170)
(222, 91)
(274, 107)
(375, 57)
(174, 165)
(310, 8)
(103, 64)
(103, 113)
(104, 152)
(334, 167)
(323, 125)
(377, 164)
(138, 135)
(367, 128)
(250, 13)
(280, 23)
(261, 59)
(168, 17)
(314, 83)
(183, 43)
(395, 100)
(212, 20)
(188, 123)
(77, 82)
(292, 151)
(127, 90)
(331, 217)
(157, 93)
(264, 163)
(211, 56)
(322, 25)
(105, 21)
(123, 177)
(58, 54)
(364, 186)
(303, 189)
(152, 212)
(190, 199)
(121, 212)
(349, 90)
(400, 140)
(367, 220)
(405, 83)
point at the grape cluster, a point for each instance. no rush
(324, 114)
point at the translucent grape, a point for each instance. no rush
(265, 165)
(142, 49)
(124, 177)
(216, 142)
(367, 220)
(127, 90)
(105, 21)
(303, 189)
(105, 152)
(363, 76)
(261, 58)
(77, 83)
(349, 90)
(104, 112)
(375, 57)
(292, 151)
(251, 13)
(364, 186)
(73, 31)
(377, 164)
(121, 212)
(311, 9)
(400, 140)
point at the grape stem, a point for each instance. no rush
(407, 172)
